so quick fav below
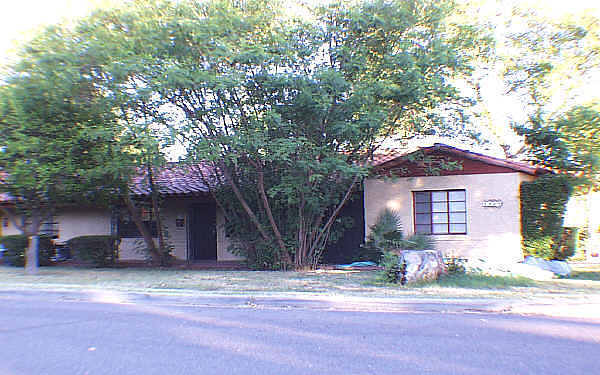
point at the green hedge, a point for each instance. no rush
(98, 251)
(16, 245)
(543, 204)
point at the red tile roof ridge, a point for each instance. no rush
(507, 163)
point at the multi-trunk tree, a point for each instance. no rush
(287, 112)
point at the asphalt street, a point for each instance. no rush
(43, 333)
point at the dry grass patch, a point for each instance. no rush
(323, 282)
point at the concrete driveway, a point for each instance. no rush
(107, 333)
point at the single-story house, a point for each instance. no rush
(192, 222)
(471, 206)
(471, 210)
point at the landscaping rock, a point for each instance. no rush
(422, 265)
(531, 272)
(555, 266)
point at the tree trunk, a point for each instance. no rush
(145, 232)
(32, 233)
(154, 194)
(588, 224)
(261, 189)
(31, 255)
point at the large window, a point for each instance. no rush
(440, 212)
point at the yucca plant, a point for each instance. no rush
(386, 234)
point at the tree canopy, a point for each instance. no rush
(58, 144)
(286, 111)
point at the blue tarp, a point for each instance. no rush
(356, 264)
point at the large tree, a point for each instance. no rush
(549, 65)
(58, 136)
(285, 113)
(288, 112)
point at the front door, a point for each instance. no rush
(202, 232)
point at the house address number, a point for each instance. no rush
(496, 203)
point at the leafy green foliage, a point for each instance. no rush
(386, 234)
(543, 204)
(58, 133)
(16, 245)
(99, 251)
(455, 266)
(286, 111)
(393, 271)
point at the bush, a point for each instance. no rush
(551, 247)
(543, 204)
(386, 234)
(99, 251)
(455, 266)
(16, 245)
(417, 242)
(393, 271)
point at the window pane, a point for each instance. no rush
(423, 219)
(440, 228)
(440, 218)
(438, 196)
(440, 207)
(422, 207)
(423, 229)
(422, 196)
(457, 206)
(458, 195)
(458, 228)
(459, 217)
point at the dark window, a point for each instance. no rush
(128, 229)
(49, 228)
(440, 212)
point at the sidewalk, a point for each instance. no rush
(585, 308)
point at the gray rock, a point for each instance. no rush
(555, 266)
(531, 272)
(422, 265)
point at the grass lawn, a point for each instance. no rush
(330, 282)
(586, 272)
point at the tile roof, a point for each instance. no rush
(173, 179)
(385, 158)
(176, 179)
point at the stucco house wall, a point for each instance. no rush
(92, 221)
(493, 233)
(132, 248)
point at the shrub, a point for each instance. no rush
(386, 234)
(417, 242)
(16, 245)
(543, 204)
(99, 251)
(552, 247)
(455, 266)
(393, 271)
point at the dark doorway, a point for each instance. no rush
(347, 247)
(202, 232)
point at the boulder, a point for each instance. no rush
(555, 266)
(531, 272)
(422, 265)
